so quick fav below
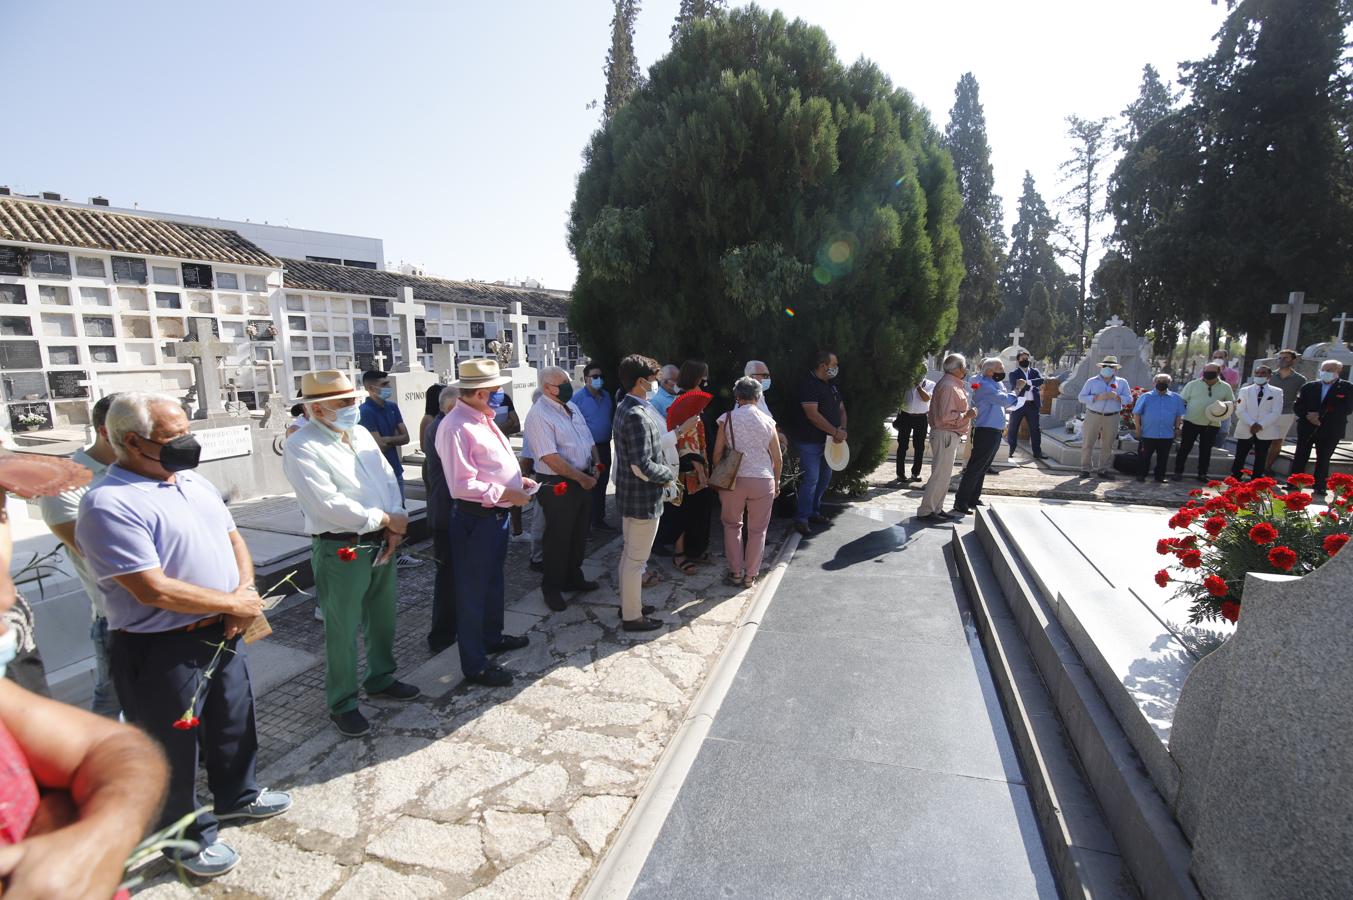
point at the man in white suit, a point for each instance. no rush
(1258, 409)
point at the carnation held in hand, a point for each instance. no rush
(1233, 529)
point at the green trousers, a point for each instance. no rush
(353, 592)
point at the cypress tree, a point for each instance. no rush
(622, 66)
(1039, 325)
(1085, 173)
(979, 222)
(1032, 259)
(692, 10)
(756, 198)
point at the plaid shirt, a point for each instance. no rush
(640, 464)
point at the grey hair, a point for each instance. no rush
(753, 365)
(1163, 376)
(1265, 366)
(669, 372)
(551, 371)
(955, 361)
(990, 363)
(746, 388)
(1332, 365)
(130, 413)
(448, 393)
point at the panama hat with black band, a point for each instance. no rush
(480, 373)
(327, 384)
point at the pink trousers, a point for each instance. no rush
(756, 495)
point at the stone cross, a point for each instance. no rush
(519, 323)
(379, 358)
(270, 365)
(408, 311)
(1114, 321)
(1016, 335)
(1342, 320)
(206, 355)
(1294, 308)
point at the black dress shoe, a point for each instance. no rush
(351, 723)
(819, 520)
(493, 676)
(582, 587)
(803, 529)
(510, 642)
(959, 512)
(398, 690)
(644, 610)
(934, 518)
(979, 502)
(643, 623)
(1041, 456)
(916, 476)
(554, 600)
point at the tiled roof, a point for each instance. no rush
(304, 275)
(32, 222)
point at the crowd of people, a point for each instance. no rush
(1264, 411)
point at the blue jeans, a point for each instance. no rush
(478, 554)
(817, 476)
(105, 695)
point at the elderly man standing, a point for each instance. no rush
(950, 419)
(1157, 417)
(566, 468)
(598, 409)
(178, 584)
(667, 389)
(990, 399)
(1105, 396)
(486, 481)
(1200, 394)
(1258, 408)
(60, 512)
(353, 510)
(1323, 408)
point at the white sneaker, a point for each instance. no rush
(408, 562)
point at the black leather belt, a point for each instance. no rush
(353, 537)
(471, 508)
(1098, 413)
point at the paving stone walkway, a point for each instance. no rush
(470, 791)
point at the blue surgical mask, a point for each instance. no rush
(765, 385)
(386, 393)
(1261, 379)
(1106, 372)
(1327, 376)
(346, 419)
(596, 384)
(9, 649)
(832, 372)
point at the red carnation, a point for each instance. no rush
(1188, 540)
(186, 722)
(561, 489)
(1163, 545)
(1297, 501)
(1247, 472)
(1339, 481)
(1216, 585)
(1245, 496)
(347, 554)
(1191, 559)
(1196, 492)
(1263, 533)
(1282, 558)
(976, 385)
(1178, 520)
(1334, 543)
(1302, 479)
(1215, 525)
(1230, 610)
(1214, 484)
(1162, 578)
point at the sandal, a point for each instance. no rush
(684, 565)
(732, 579)
(651, 578)
(749, 581)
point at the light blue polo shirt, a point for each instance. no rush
(129, 523)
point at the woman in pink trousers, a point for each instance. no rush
(750, 431)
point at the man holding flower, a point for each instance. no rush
(355, 514)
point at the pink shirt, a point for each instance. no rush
(476, 457)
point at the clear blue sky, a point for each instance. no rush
(453, 130)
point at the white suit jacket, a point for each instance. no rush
(1251, 410)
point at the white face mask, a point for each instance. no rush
(652, 390)
(1327, 376)
(1261, 379)
(1106, 372)
(9, 649)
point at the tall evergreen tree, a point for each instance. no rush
(758, 198)
(1040, 323)
(691, 10)
(1275, 195)
(1084, 201)
(622, 66)
(1154, 102)
(979, 223)
(1032, 259)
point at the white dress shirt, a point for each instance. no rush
(913, 404)
(341, 486)
(1260, 405)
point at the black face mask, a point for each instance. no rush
(1162, 387)
(178, 455)
(1209, 376)
(999, 376)
(1023, 363)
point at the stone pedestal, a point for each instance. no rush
(525, 380)
(410, 390)
(1114, 340)
(240, 458)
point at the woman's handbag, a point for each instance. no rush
(726, 471)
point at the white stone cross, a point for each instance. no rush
(408, 311)
(379, 357)
(1294, 308)
(1114, 321)
(1342, 320)
(1016, 335)
(206, 355)
(270, 366)
(519, 323)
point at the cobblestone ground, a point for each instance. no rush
(509, 792)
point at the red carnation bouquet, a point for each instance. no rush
(1238, 527)
(1125, 414)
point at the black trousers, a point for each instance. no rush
(155, 676)
(599, 492)
(911, 431)
(1160, 447)
(1029, 412)
(566, 525)
(1243, 447)
(695, 512)
(442, 632)
(1308, 437)
(1205, 436)
(985, 443)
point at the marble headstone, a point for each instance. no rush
(1113, 340)
(410, 389)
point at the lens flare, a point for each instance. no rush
(789, 312)
(821, 274)
(839, 252)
